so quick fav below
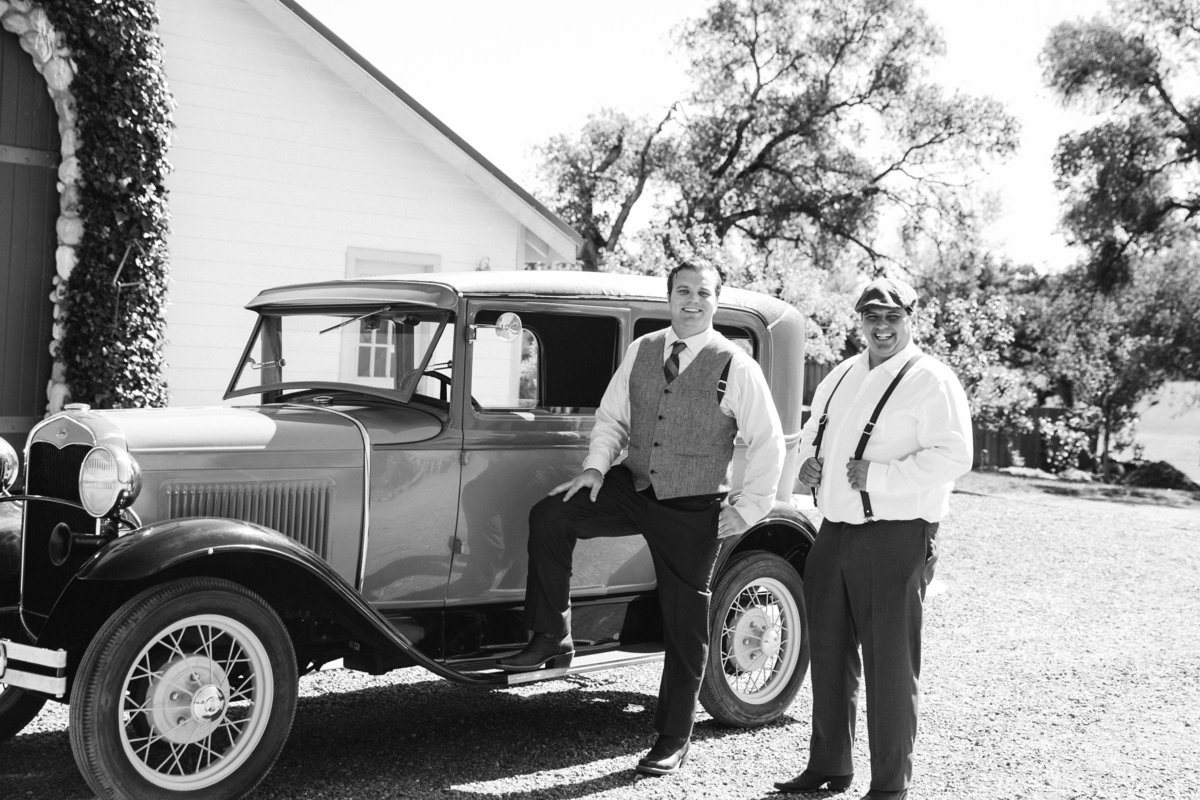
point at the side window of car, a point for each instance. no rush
(742, 337)
(561, 363)
(505, 371)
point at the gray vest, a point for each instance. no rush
(679, 440)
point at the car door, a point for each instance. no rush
(533, 403)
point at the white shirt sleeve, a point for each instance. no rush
(944, 448)
(610, 433)
(748, 400)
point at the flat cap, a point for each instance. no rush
(887, 293)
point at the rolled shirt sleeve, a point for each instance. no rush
(944, 441)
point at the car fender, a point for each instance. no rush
(784, 530)
(286, 573)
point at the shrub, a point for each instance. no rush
(114, 331)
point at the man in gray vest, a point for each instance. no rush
(889, 434)
(663, 404)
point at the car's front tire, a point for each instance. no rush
(758, 653)
(17, 709)
(188, 690)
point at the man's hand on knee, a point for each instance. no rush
(591, 479)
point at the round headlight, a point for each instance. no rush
(109, 480)
(9, 466)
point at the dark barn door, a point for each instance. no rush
(29, 156)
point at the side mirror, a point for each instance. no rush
(508, 327)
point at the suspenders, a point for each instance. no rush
(824, 419)
(866, 434)
(723, 381)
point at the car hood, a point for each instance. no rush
(275, 428)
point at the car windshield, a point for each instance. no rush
(393, 352)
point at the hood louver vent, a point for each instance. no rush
(297, 509)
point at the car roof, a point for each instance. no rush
(445, 289)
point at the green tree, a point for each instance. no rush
(973, 334)
(813, 120)
(808, 123)
(1107, 351)
(596, 178)
(1131, 181)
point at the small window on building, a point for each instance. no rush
(369, 353)
(376, 352)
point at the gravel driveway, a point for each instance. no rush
(1062, 660)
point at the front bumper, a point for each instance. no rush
(34, 668)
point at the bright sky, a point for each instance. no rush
(508, 76)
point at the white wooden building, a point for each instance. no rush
(296, 160)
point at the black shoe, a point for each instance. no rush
(543, 650)
(809, 782)
(879, 794)
(666, 757)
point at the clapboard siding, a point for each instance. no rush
(280, 167)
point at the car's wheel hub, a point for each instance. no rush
(188, 698)
(756, 638)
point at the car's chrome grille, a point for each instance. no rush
(297, 509)
(54, 472)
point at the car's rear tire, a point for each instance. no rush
(17, 709)
(758, 653)
(188, 690)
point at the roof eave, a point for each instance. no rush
(315, 37)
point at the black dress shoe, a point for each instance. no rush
(878, 794)
(809, 782)
(543, 650)
(666, 757)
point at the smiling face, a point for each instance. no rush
(887, 331)
(693, 301)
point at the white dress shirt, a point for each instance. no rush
(921, 442)
(747, 399)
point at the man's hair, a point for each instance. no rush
(701, 267)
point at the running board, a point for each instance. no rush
(582, 663)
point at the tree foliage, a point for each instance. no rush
(808, 122)
(974, 334)
(597, 178)
(1131, 181)
(1108, 351)
(810, 119)
(114, 330)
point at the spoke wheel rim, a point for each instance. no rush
(760, 641)
(195, 702)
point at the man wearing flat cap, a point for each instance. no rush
(890, 431)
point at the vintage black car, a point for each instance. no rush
(363, 496)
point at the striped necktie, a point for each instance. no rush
(671, 365)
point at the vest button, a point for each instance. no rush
(656, 444)
(660, 416)
(653, 472)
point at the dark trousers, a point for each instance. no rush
(682, 536)
(865, 585)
